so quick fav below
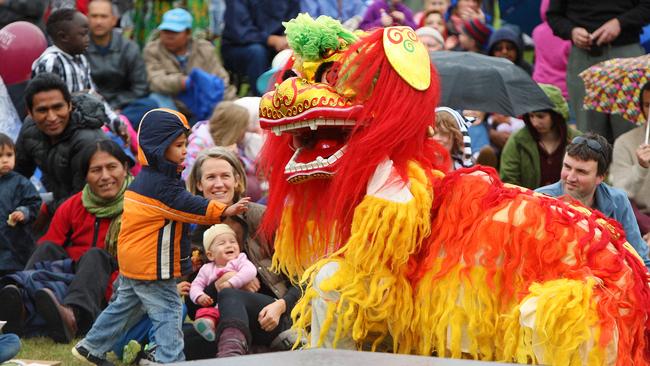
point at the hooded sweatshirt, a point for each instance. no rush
(522, 161)
(154, 241)
(512, 34)
(551, 54)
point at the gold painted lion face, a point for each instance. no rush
(319, 119)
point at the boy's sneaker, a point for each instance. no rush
(148, 355)
(131, 352)
(205, 327)
(82, 354)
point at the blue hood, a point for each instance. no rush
(158, 129)
(507, 33)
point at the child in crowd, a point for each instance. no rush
(438, 6)
(19, 204)
(431, 38)
(465, 10)
(154, 243)
(226, 126)
(228, 267)
(474, 36)
(451, 133)
(435, 20)
(386, 13)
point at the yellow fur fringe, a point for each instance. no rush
(291, 259)
(457, 323)
(375, 295)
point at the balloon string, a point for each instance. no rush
(647, 131)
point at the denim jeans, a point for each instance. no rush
(160, 301)
(9, 346)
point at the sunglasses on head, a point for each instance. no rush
(591, 143)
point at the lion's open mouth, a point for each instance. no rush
(320, 121)
(318, 143)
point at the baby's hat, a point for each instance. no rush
(214, 231)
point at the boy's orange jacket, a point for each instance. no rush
(154, 240)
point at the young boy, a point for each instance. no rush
(153, 244)
(19, 204)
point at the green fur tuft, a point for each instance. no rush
(310, 38)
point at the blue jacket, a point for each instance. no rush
(17, 193)
(613, 203)
(253, 21)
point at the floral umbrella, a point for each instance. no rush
(613, 86)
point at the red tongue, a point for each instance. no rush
(323, 147)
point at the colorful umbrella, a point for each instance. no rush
(613, 86)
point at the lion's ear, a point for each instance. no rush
(408, 56)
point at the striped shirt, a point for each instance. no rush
(73, 70)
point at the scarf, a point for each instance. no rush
(112, 208)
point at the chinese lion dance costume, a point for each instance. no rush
(396, 255)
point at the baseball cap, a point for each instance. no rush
(176, 20)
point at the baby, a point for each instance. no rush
(228, 266)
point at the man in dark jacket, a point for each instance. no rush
(599, 30)
(56, 129)
(253, 34)
(116, 65)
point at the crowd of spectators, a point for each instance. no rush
(104, 72)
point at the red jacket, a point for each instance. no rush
(76, 229)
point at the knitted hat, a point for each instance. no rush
(214, 231)
(430, 32)
(560, 105)
(478, 30)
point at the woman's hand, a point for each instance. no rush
(183, 288)
(252, 286)
(204, 300)
(269, 317)
(222, 282)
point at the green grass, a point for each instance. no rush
(45, 349)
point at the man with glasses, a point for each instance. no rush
(584, 169)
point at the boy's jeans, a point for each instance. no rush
(159, 299)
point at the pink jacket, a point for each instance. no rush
(551, 54)
(209, 273)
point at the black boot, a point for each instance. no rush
(12, 310)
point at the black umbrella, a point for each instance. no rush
(490, 84)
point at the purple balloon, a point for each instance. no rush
(20, 44)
